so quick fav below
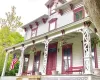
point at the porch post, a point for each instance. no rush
(5, 64)
(21, 61)
(46, 42)
(88, 69)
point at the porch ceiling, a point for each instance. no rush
(49, 33)
(66, 37)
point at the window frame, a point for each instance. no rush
(53, 4)
(71, 57)
(34, 29)
(53, 20)
(78, 10)
(95, 56)
(26, 56)
(39, 54)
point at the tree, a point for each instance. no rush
(12, 21)
(9, 36)
(93, 9)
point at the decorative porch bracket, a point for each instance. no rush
(20, 70)
(5, 63)
(88, 68)
(46, 42)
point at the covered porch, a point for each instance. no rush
(61, 52)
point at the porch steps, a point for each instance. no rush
(35, 77)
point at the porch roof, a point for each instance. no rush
(49, 33)
(66, 4)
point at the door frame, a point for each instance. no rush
(65, 46)
(37, 52)
(52, 45)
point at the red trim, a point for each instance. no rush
(71, 6)
(51, 21)
(36, 23)
(44, 20)
(51, 9)
(52, 45)
(37, 53)
(34, 29)
(60, 11)
(25, 29)
(95, 55)
(77, 10)
(83, 54)
(30, 26)
(66, 46)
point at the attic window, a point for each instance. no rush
(78, 14)
(52, 9)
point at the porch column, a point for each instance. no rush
(46, 42)
(88, 69)
(5, 64)
(21, 61)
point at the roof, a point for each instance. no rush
(36, 20)
(67, 4)
(49, 2)
(50, 32)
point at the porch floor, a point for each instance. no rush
(60, 77)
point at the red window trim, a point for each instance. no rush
(38, 52)
(77, 10)
(64, 46)
(95, 55)
(34, 29)
(52, 45)
(51, 21)
(51, 10)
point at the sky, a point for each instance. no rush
(27, 9)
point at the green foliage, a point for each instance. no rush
(12, 21)
(9, 37)
(94, 41)
(12, 72)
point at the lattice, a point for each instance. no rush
(87, 49)
(46, 42)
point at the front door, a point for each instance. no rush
(52, 58)
(66, 58)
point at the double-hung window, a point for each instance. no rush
(78, 14)
(33, 31)
(52, 24)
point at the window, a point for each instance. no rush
(78, 14)
(52, 24)
(52, 9)
(26, 60)
(33, 31)
(94, 57)
(66, 58)
(36, 62)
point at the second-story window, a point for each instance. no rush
(52, 24)
(52, 9)
(34, 31)
(78, 14)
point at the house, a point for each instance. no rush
(60, 45)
